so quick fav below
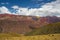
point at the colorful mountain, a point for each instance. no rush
(23, 24)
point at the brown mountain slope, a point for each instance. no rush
(22, 24)
(16, 23)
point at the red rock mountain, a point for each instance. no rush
(21, 24)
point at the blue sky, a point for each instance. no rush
(31, 7)
(25, 3)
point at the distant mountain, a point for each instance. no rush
(23, 24)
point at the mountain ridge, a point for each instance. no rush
(23, 24)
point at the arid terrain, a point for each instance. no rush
(23, 24)
(18, 27)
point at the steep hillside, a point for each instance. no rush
(48, 29)
(23, 24)
(7, 26)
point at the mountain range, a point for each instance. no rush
(10, 23)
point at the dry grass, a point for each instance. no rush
(37, 37)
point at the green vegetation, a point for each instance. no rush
(48, 29)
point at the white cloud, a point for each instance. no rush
(3, 10)
(7, 3)
(52, 8)
(4, 3)
(22, 11)
(49, 9)
(15, 7)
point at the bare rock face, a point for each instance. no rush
(22, 24)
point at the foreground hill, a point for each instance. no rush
(53, 28)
